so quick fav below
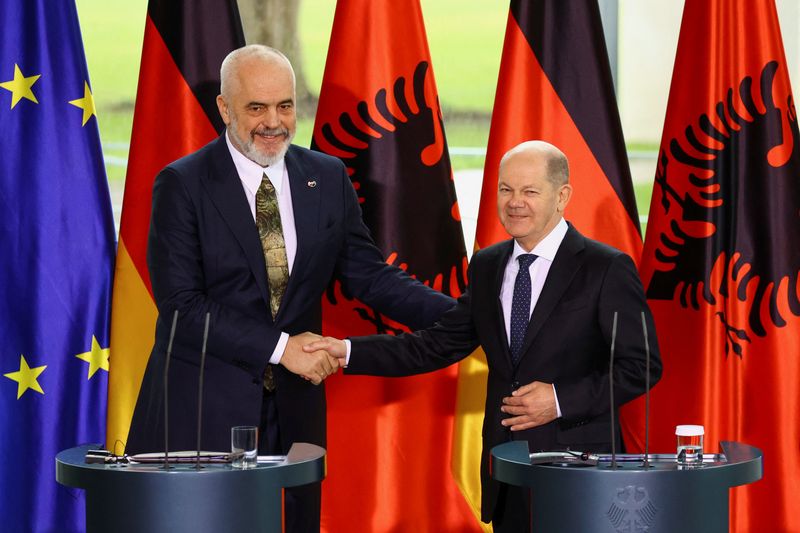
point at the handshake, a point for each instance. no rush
(314, 357)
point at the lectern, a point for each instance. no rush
(132, 498)
(630, 498)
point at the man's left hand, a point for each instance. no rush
(532, 405)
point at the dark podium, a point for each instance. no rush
(630, 498)
(216, 498)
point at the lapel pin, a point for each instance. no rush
(312, 183)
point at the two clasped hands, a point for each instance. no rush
(315, 358)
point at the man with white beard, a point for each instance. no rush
(252, 229)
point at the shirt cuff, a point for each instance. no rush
(347, 355)
(275, 358)
(558, 407)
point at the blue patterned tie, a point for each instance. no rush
(521, 306)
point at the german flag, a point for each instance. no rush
(554, 85)
(185, 42)
(379, 113)
(721, 259)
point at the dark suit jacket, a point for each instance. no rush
(567, 343)
(204, 255)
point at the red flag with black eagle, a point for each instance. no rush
(389, 439)
(722, 256)
(185, 42)
(555, 85)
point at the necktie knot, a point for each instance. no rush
(266, 183)
(525, 260)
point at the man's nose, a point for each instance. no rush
(516, 201)
(270, 119)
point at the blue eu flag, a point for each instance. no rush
(56, 258)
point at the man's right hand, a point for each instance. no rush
(314, 366)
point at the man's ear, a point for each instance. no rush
(222, 105)
(564, 194)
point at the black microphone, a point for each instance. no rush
(200, 390)
(646, 397)
(166, 389)
(611, 393)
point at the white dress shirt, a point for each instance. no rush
(545, 252)
(250, 173)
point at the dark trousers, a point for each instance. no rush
(513, 511)
(301, 505)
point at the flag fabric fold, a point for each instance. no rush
(389, 439)
(721, 259)
(57, 247)
(184, 45)
(554, 85)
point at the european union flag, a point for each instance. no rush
(56, 248)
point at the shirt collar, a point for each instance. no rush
(251, 172)
(548, 246)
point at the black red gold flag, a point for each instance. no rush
(185, 42)
(555, 85)
(389, 440)
(721, 257)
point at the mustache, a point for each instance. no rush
(270, 131)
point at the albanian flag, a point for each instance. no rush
(721, 258)
(185, 42)
(389, 439)
(555, 85)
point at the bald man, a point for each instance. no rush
(541, 304)
(253, 229)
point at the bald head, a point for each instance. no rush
(244, 59)
(257, 102)
(541, 153)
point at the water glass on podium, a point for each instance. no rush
(690, 445)
(244, 446)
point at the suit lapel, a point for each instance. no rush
(306, 197)
(226, 193)
(565, 264)
(499, 267)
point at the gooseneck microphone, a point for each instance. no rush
(200, 389)
(611, 393)
(646, 396)
(166, 389)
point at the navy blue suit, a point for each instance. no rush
(204, 255)
(566, 343)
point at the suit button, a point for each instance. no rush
(514, 385)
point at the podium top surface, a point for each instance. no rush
(304, 464)
(738, 464)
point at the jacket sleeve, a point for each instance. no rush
(450, 340)
(621, 292)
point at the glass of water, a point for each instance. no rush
(244, 446)
(690, 445)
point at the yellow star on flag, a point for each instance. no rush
(26, 377)
(97, 358)
(86, 103)
(20, 87)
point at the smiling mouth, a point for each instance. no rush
(270, 136)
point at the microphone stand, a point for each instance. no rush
(646, 397)
(166, 389)
(611, 393)
(200, 390)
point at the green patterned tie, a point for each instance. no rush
(270, 231)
